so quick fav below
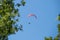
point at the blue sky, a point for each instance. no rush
(45, 24)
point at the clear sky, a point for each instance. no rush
(45, 24)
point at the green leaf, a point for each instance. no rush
(18, 4)
(59, 17)
(23, 2)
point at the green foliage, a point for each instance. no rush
(59, 28)
(58, 35)
(23, 2)
(59, 17)
(48, 38)
(7, 13)
(56, 38)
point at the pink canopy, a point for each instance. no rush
(29, 15)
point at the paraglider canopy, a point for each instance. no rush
(29, 15)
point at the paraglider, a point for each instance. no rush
(29, 15)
